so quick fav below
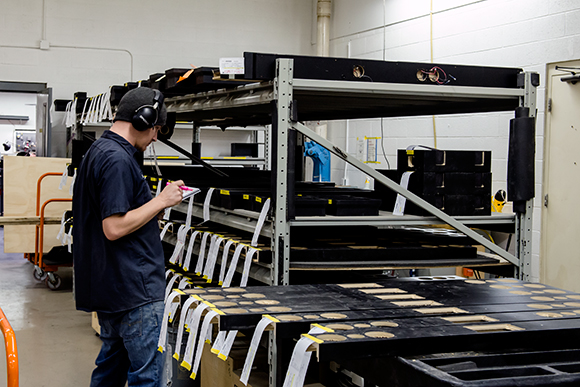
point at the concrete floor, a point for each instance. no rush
(56, 344)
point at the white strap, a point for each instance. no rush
(206, 204)
(189, 211)
(224, 262)
(201, 255)
(233, 265)
(299, 361)
(178, 250)
(210, 265)
(60, 235)
(203, 335)
(69, 239)
(170, 284)
(185, 313)
(167, 225)
(165, 322)
(63, 179)
(219, 342)
(187, 260)
(83, 119)
(264, 322)
(193, 327)
(168, 272)
(159, 182)
(247, 263)
(72, 183)
(260, 223)
(228, 344)
(183, 283)
(401, 200)
(66, 118)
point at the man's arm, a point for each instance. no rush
(117, 226)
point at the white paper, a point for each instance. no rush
(233, 265)
(231, 66)
(206, 204)
(247, 264)
(260, 223)
(264, 322)
(401, 200)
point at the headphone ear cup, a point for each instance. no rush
(144, 118)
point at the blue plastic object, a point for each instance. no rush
(321, 158)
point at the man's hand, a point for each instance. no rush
(172, 194)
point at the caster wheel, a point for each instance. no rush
(39, 274)
(54, 283)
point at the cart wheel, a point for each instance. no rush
(39, 274)
(53, 284)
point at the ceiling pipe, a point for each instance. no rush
(323, 12)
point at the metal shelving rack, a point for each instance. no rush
(272, 102)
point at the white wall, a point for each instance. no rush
(95, 44)
(506, 33)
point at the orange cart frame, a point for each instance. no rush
(11, 350)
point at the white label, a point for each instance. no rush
(231, 65)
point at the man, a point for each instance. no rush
(118, 257)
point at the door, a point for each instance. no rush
(560, 255)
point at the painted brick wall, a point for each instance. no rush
(508, 33)
(94, 44)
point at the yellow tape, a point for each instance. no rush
(154, 187)
(274, 319)
(193, 375)
(186, 365)
(220, 283)
(318, 341)
(218, 311)
(197, 297)
(209, 304)
(153, 179)
(258, 199)
(215, 351)
(224, 192)
(322, 327)
(329, 201)
(207, 158)
(160, 349)
(179, 291)
(410, 152)
(176, 356)
(235, 157)
(205, 277)
(222, 356)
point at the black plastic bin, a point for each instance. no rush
(352, 206)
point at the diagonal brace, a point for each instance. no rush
(404, 192)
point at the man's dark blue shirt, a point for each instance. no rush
(113, 276)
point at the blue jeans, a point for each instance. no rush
(129, 350)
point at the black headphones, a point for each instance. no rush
(146, 116)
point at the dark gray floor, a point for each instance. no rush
(56, 344)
